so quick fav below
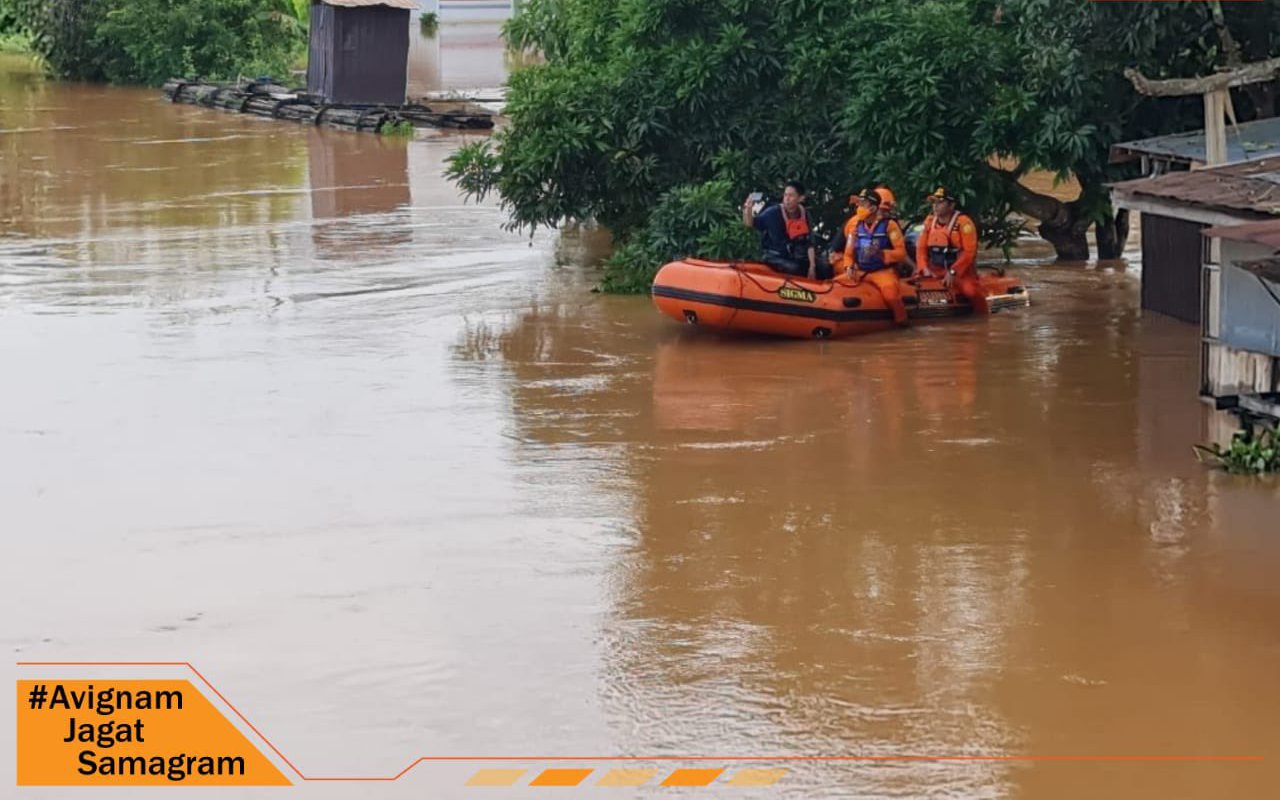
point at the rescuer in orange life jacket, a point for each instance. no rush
(948, 247)
(876, 246)
(860, 212)
(786, 233)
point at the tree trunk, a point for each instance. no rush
(1068, 240)
(1113, 233)
(1060, 223)
(1066, 225)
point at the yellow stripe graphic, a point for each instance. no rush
(756, 777)
(495, 777)
(627, 777)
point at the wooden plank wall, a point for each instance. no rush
(1230, 371)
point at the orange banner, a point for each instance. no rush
(131, 733)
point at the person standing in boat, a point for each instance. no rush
(876, 247)
(948, 249)
(786, 233)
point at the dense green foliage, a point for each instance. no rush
(1249, 453)
(57, 29)
(702, 219)
(148, 41)
(648, 113)
(14, 41)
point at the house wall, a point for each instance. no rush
(320, 50)
(1172, 256)
(1249, 308)
(475, 10)
(371, 55)
(1235, 372)
(1241, 326)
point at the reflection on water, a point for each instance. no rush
(357, 182)
(378, 465)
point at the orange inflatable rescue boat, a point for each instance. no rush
(747, 296)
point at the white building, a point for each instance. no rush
(470, 10)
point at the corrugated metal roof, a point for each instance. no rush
(1252, 186)
(1249, 140)
(1266, 232)
(405, 4)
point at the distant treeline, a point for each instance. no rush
(147, 41)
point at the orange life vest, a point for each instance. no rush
(797, 227)
(943, 248)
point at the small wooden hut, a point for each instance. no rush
(359, 51)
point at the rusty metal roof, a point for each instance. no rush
(409, 5)
(1266, 232)
(1251, 186)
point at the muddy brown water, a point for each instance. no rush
(276, 402)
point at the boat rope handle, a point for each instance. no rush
(785, 281)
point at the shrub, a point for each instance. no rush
(701, 220)
(1248, 453)
(14, 42)
(401, 128)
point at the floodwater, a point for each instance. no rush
(462, 54)
(274, 401)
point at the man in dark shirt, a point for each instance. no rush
(786, 233)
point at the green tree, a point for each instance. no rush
(1065, 100)
(59, 31)
(642, 106)
(148, 41)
